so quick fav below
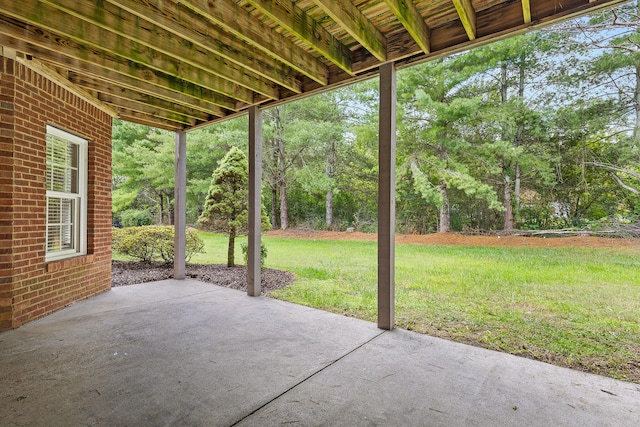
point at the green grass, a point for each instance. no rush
(574, 307)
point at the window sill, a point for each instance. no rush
(62, 264)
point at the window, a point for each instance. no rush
(66, 194)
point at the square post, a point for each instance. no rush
(255, 202)
(180, 206)
(386, 196)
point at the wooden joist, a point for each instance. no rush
(526, 11)
(246, 27)
(353, 21)
(113, 19)
(84, 33)
(467, 16)
(414, 23)
(299, 23)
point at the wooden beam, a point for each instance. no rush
(304, 27)
(349, 17)
(86, 33)
(200, 32)
(408, 15)
(49, 47)
(103, 87)
(150, 120)
(526, 11)
(467, 17)
(143, 29)
(169, 101)
(57, 78)
(128, 104)
(240, 23)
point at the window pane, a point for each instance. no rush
(61, 217)
(53, 238)
(53, 211)
(62, 165)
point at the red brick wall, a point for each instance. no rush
(30, 287)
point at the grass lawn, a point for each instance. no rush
(574, 307)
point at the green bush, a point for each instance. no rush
(245, 253)
(152, 242)
(135, 218)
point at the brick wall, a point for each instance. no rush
(30, 287)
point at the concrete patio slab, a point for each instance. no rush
(193, 354)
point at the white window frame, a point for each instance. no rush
(80, 198)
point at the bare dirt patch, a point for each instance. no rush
(454, 239)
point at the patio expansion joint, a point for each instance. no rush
(333, 362)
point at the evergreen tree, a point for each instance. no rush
(226, 206)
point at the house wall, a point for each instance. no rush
(30, 287)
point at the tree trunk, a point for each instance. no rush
(284, 208)
(516, 186)
(445, 210)
(161, 210)
(329, 209)
(508, 207)
(636, 129)
(331, 166)
(231, 250)
(274, 208)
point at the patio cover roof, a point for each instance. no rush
(177, 64)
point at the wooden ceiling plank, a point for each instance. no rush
(240, 23)
(304, 27)
(141, 29)
(408, 15)
(57, 78)
(44, 16)
(467, 16)
(526, 11)
(39, 45)
(148, 110)
(155, 122)
(201, 33)
(107, 88)
(115, 83)
(349, 17)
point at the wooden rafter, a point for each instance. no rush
(102, 65)
(406, 12)
(299, 23)
(54, 76)
(151, 110)
(467, 16)
(248, 28)
(181, 64)
(87, 33)
(526, 11)
(125, 87)
(233, 67)
(353, 21)
(116, 95)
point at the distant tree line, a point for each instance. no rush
(538, 131)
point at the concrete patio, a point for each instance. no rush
(193, 354)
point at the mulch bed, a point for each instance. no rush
(125, 273)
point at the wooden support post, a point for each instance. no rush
(180, 206)
(386, 196)
(255, 201)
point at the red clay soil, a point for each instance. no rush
(453, 239)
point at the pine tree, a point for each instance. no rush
(226, 206)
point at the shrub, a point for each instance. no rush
(152, 242)
(135, 218)
(263, 253)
